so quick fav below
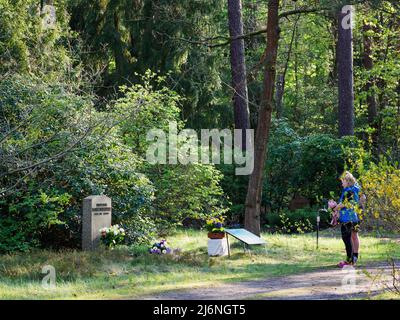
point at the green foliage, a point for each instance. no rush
(140, 229)
(190, 191)
(107, 167)
(126, 38)
(235, 190)
(297, 221)
(105, 156)
(53, 120)
(26, 45)
(59, 142)
(308, 165)
(143, 107)
(380, 183)
(181, 191)
(29, 215)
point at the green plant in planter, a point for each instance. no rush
(113, 236)
(215, 225)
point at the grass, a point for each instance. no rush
(132, 272)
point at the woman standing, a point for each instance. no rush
(348, 218)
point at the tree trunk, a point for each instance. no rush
(345, 76)
(369, 88)
(280, 83)
(254, 191)
(238, 69)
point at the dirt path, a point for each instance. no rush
(329, 283)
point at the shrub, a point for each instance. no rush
(180, 191)
(29, 215)
(140, 229)
(235, 190)
(297, 221)
(186, 191)
(78, 151)
(308, 165)
(381, 185)
(43, 206)
(107, 167)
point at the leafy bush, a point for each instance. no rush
(43, 206)
(381, 184)
(107, 167)
(235, 190)
(140, 229)
(308, 165)
(297, 221)
(25, 45)
(144, 107)
(29, 215)
(181, 191)
(77, 151)
(186, 191)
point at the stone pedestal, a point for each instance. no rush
(96, 214)
(217, 247)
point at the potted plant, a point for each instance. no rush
(215, 228)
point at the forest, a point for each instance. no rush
(83, 81)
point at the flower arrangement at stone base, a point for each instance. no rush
(160, 248)
(112, 236)
(215, 228)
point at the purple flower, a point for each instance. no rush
(218, 225)
(160, 247)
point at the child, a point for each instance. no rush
(348, 218)
(335, 214)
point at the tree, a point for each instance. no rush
(254, 191)
(345, 71)
(369, 87)
(238, 69)
(280, 84)
(123, 39)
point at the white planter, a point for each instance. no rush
(217, 247)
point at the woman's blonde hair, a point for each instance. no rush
(347, 176)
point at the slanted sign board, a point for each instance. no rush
(244, 236)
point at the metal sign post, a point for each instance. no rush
(318, 220)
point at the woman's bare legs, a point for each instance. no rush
(355, 244)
